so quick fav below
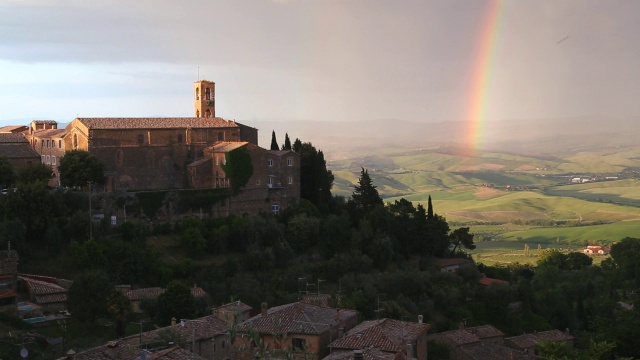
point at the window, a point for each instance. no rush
(197, 113)
(289, 161)
(217, 161)
(270, 183)
(60, 144)
(197, 93)
(53, 160)
(119, 157)
(35, 142)
(48, 160)
(48, 143)
(75, 141)
(224, 159)
(275, 210)
(179, 138)
(43, 158)
(290, 180)
(298, 344)
(207, 94)
(140, 139)
(223, 342)
(258, 182)
(221, 136)
(270, 162)
(207, 113)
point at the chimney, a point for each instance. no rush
(173, 321)
(70, 354)
(409, 349)
(263, 309)
(358, 355)
(461, 325)
(420, 319)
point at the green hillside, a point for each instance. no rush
(506, 188)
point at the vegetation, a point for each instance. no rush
(238, 168)
(78, 167)
(7, 173)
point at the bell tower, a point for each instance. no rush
(204, 98)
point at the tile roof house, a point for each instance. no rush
(206, 336)
(305, 330)
(527, 342)
(457, 339)
(45, 291)
(17, 149)
(120, 350)
(233, 312)
(365, 354)
(451, 264)
(387, 335)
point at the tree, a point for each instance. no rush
(461, 238)
(88, 297)
(429, 208)
(626, 254)
(37, 172)
(7, 173)
(119, 306)
(177, 301)
(238, 168)
(77, 167)
(315, 180)
(287, 142)
(365, 197)
(552, 257)
(577, 261)
(274, 142)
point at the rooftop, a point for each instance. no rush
(226, 146)
(156, 123)
(298, 318)
(385, 334)
(530, 340)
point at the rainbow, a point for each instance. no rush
(481, 77)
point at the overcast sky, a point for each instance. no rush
(316, 60)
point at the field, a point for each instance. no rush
(512, 198)
(508, 252)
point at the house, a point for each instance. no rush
(17, 150)
(120, 350)
(233, 312)
(464, 337)
(47, 140)
(386, 335)
(274, 180)
(483, 351)
(596, 250)
(207, 337)
(366, 354)
(300, 329)
(487, 281)
(46, 292)
(527, 342)
(451, 264)
(8, 276)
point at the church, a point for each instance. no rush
(145, 154)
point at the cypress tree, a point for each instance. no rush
(429, 209)
(274, 142)
(287, 142)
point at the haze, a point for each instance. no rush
(338, 61)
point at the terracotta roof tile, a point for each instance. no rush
(468, 335)
(196, 329)
(384, 334)
(154, 292)
(226, 146)
(13, 138)
(367, 354)
(488, 281)
(51, 298)
(233, 306)
(484, 351)
(530, 340)
(156, 123)
(38, 287)
(297, 318)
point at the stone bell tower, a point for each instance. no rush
(204, 95)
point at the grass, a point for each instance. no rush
(507, 252)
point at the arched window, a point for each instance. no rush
(75, 141)
(197, 93)
(207, 94)
(197, 113)
(207, 113)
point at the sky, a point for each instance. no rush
(339, 60)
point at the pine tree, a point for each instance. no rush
(274, 142)
(287, 142)
(365, 197)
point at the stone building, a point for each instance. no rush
(273, 185)
(47, 140)
(17, 150)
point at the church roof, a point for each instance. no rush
(226, 146)
(156, 123)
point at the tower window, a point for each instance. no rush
(197, 93)
(207, 113)
(207, 94)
